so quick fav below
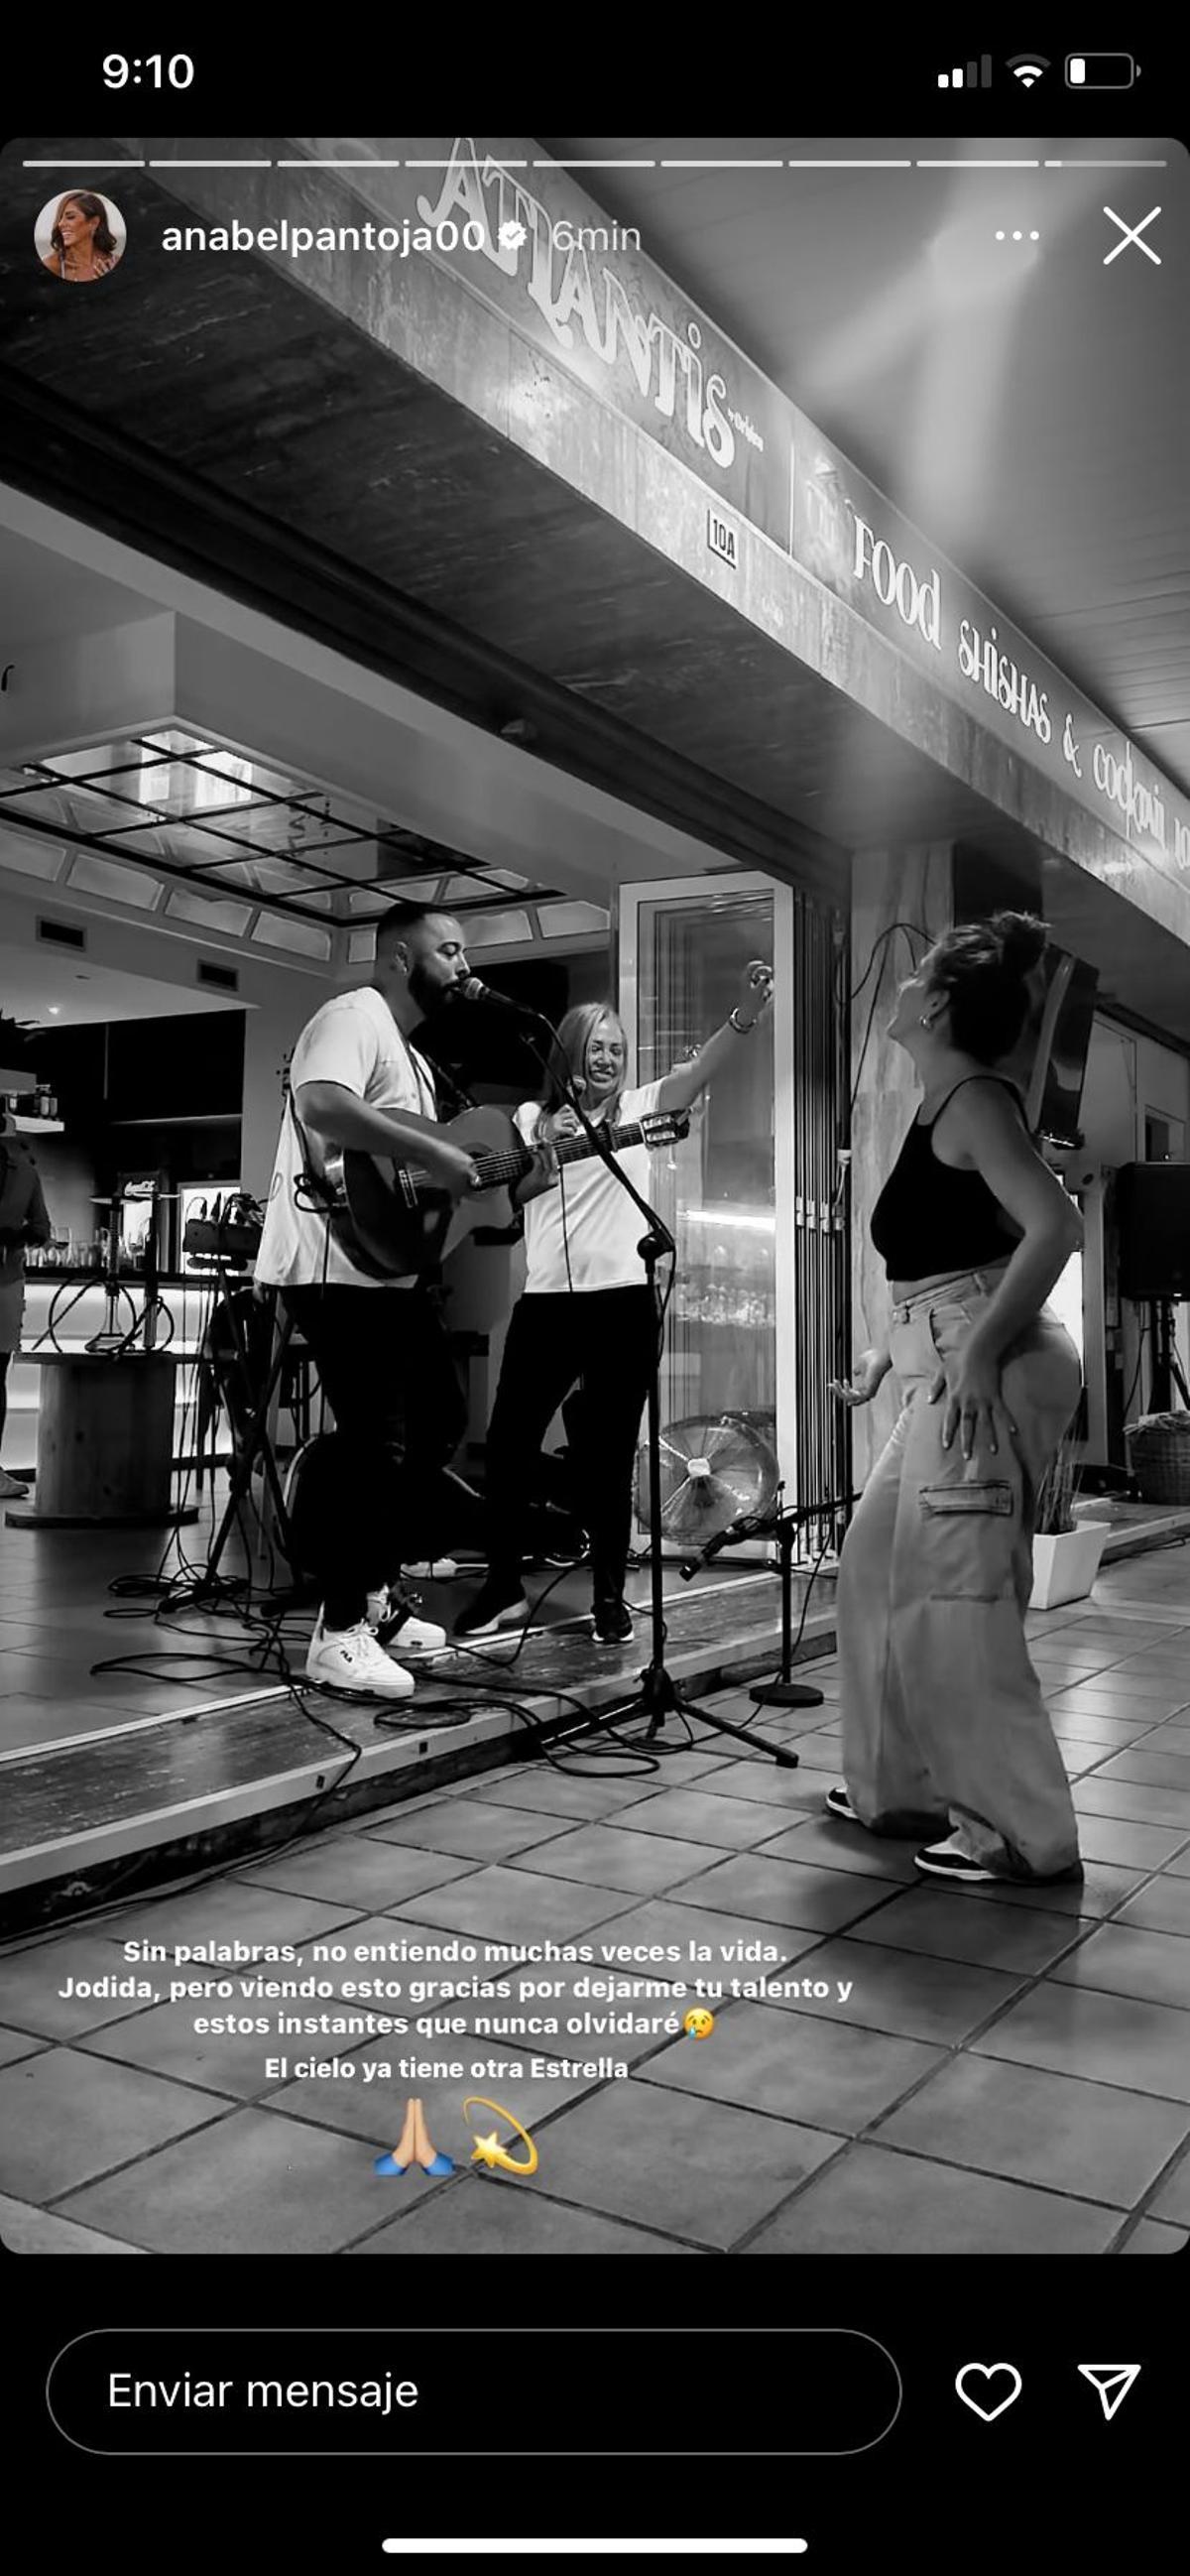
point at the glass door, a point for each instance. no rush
(757, 1323)
(715, 1189)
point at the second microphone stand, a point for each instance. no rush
(659, 1695)
(784, 1692)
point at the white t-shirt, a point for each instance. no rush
(354, 1041)
(584, 1233)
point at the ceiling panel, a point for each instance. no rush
(177, 805)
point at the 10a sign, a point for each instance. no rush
(723, 539)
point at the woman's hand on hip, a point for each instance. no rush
(969, 1385)
(871, 1369)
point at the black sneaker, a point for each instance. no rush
(838, 1803)
(949, 1860)
(493, 1610)
(612, 1624)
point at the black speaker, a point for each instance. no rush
(1153, 1226)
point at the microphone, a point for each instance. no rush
(749, 1525)
(694, 1564)
(474, 991)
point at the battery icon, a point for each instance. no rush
(1100, 71)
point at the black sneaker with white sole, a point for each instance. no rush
(948, 1860)
(493, 1612)
(838, 1803)
(612, 1624)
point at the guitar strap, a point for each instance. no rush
(328, 1204)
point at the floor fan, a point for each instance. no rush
(720, 1481)
(716, 1472)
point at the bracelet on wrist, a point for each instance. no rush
(743, 1028)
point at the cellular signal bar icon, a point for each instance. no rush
(976, 76)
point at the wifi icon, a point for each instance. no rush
(1027, 68)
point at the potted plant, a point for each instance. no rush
(1066, 1552)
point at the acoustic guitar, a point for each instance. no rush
(406, 1223)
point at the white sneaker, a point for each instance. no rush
(13, 1491)
(432, 1569)
(413, 1636)
(351, 1659)
(417, 1637)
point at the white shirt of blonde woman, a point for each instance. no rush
(583, 1234)
(353, 1041)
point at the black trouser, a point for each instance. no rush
(605, 1338)
(5, 1357)
(388, 1375)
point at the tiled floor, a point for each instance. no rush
(998, 2070)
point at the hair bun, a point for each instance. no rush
(1023, 941)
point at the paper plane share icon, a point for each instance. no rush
(1112, 2379)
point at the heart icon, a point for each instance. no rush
(987, 2371)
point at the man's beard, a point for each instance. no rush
(423, 990)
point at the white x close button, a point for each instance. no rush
(1132, 233)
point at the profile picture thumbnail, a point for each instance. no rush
(80, 236)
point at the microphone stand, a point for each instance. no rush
(659, 1696)
(784, 1692)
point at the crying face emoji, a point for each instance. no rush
(699, 2023)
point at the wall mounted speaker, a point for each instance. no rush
(1153, 1228)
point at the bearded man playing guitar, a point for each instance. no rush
(357, 1085)
(586, 1315)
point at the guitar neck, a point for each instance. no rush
(573, 1148)
(500, 1169)
(569, 1149)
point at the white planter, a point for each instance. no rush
(1065, 1564)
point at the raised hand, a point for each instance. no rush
(756, 997)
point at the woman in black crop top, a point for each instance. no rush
(945, 1731)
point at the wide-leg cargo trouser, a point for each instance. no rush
(944, 1726)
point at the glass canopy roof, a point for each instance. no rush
(187, 808)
